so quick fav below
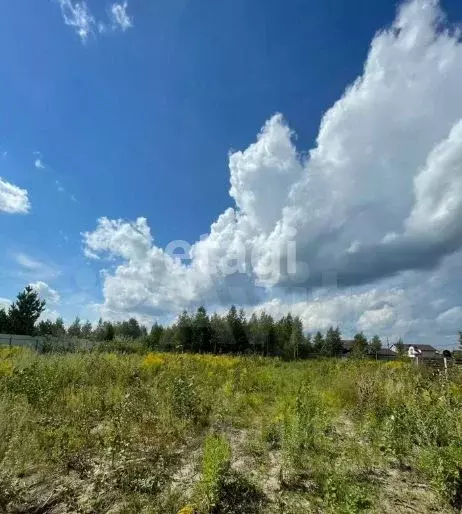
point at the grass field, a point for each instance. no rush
(167, 433)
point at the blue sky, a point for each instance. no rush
(128, 110)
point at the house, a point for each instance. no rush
(422, 351)
(384, 354)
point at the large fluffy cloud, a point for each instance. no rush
(378, 196)
(13, 199)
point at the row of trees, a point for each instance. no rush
(104, 330)
(231, 333)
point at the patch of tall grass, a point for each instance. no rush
(107, 428)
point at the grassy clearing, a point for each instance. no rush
(167, 433)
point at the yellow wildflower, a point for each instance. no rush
(6, 369)
(152, 361)
(187, 509)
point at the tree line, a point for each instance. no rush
(230, 333)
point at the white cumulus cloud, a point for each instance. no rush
(378, 195)
(46, 292)
(13, 199)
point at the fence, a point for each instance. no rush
(19, 340)
(46, 343)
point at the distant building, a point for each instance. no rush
(422, 351)
(384, 354)
(347, 346)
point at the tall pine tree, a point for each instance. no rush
(25, 312)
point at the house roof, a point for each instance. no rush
(349, 343)
(423, 347)
(385, 352)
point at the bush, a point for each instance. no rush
(215, 466)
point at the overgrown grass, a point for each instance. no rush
(184, 433)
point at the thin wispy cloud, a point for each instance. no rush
(39, 164)
(13, 199)
(28, 263)
(78, 16)
(33, 269)
(38, 161)
(59, 186)
(120, 17)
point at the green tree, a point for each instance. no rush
(87, 330)
(284, 329)
(375, 346)
(25, 312)
(98, 333)
(220, 334)
(184, 332)
(75, 330)
(318, 343)
(254, 334)
(168, 340)
(130, 329)
(4, 322)
(155, 335)
(268, 334)
(333, 343)
(237, 342)
(261, 334)
(108, 331)
(134, 329)
(59, 330)
(307, 347)
(202, 332)
(460, 340)
(359, 348)
(338, 344)
(297, 339)
(45, 328)
(104, 331)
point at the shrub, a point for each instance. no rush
(215, 465)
